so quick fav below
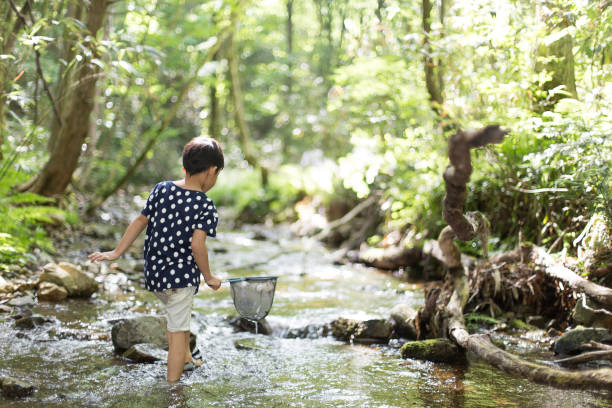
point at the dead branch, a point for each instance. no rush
(348, 217)
(586, 357)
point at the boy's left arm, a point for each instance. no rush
(130, 235)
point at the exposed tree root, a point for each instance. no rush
(450, 319)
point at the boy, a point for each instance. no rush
(178, 216)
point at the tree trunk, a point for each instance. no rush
(556, 58)
(456, 176)
(432, 68)
(78, 103)
(289, 48)
(243, 128)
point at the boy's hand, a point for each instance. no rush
(213, 282)
(103, 256)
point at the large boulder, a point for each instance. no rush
(374, 331)
(76, 282)
(571, 340)
(51, 292)
(142, 329)
(588, 313)
(14, 388)
(436, 350)
(404, 317)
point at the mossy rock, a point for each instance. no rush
(436, 350)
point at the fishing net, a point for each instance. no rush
(253, 296)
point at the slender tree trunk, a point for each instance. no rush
(432, 69)
(237, 97)
(556, 58)
(213, 116)
(289, 47)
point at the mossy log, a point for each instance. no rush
(467, 227)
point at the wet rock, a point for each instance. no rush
(51, 292)
(436, 350)
(6, 286)
(22, 301)
(27, 320)
(404, 317)
(30, 322)
(14, 388)
(146, 353)
(588, 313)
(366, 332)
(312, 331)
(571, 340)
(5, 309)
(247, 344)
(142, 329)
(242, 324)
(76, 282)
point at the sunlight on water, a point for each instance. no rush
(73, 364)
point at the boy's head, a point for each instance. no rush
(202, 153)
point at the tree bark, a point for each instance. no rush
(213, 116)
(432, 68)
(239, 115)
(78, 103)
(456, 177)
(556, 58)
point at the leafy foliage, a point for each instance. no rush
(23, 217)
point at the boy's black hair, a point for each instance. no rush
(201, 153)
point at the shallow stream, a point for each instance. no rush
(72, 363)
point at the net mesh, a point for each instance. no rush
(253, 297)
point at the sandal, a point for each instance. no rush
(192, 365)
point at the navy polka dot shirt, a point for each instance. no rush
(174, 213)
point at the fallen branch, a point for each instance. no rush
(586, 357)
(348, 217)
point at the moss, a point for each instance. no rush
(479, 319)
(436, 350)
(521, 325)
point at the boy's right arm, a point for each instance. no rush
(200, 254)
(130, 235)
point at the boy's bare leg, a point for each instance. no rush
(176, 354)
(188, 358)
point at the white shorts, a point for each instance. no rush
(178, 307)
